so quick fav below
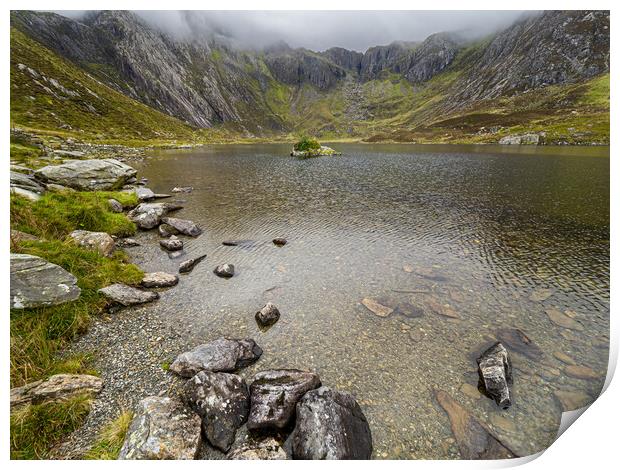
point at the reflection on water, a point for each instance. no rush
(471, 230)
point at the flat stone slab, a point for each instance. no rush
(160, 279)
(188, 265)
(162, 429)
(330, 425)
(186, 227)
(148, 215)
(56, 388)
(101, 242)
(37, 283)
(88, 175)
(127, 295)
(220, 355)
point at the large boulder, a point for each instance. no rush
(56, 388)
(330, 425)
(126, 295)
(496, 373)
(220, 355)
(38, 283)
(257, 448)
(222, 401)
(162, 429)
(148, 215)
(88, 175)
(274, 394)
(186, 227)
(96, 241)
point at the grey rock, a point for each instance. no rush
(220, 355)
(160, 279)
(330, 425)
(261, 448)
(26, 186)
(222, 401)
(148, 215)
(172, 243)
(127, 242)
(21, 169)
(186, 227)
(56, 388)
(162, 429)
(87, 175)
(28, 194)
(38, 283)
(188, 265)
(17, 237)
(496, 372)
(69, 153)
(268, 315)
(182, 189)
(525, 139)
(126, 295)
(101, 242)
(58, 188)
(274, 394)
(144, 194)
(224, 270)
(166, 230)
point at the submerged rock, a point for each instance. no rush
(475, 442)
(330, 425)
(97, 241)
(182, 189)
(186, 227)
(496, 373)
(377, 308)
(160, 279)
(220, 355)
(166, 230)
(266, 448)
(188, 265)
(172, 243)
(56, 388)
(88, 175)
(127, 242)
(222, 401)
(274, 394)
(268, 315)
(563, 320)
(162, 429)
(126, 295)
(34, 282)
(148, 215)
(224, 270)
(445, 310)
(517, 341)
(572, 399)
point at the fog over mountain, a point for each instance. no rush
(320, 30)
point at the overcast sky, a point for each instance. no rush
(319, 30)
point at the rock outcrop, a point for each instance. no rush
(162, 429)
(56, 388)
(220, 355)
(330, 425)
(274, 394)
(38, 283)
(87, 175)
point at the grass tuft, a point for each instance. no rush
(110, 441)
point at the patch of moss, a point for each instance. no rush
(306, 143)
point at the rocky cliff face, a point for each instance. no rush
(206, 82)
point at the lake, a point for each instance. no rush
(465, 243)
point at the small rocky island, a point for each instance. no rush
(308, 147)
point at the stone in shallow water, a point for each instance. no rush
(127, 242)
(279, 241)
(144, 194)
(166, 230)
(188, 265)
(127, 295)
(540, 295)
(274, 394)
(88, 175)
(148, 215)
(266, 448)
(474, 441)
(572, 400)
(182, 189)
(330, 425)
(220, 355)
(408, 310)
(96, 241)
(566, 359)
(377, 308)
(517, 341)
(160, 279)
(172, 243)
(268, 315)
(581, 372)
(562, 320)
(445, 310)
(224, 270)
(34, 282)
(162, 429)
(186, 227)
(222, 401)
(496, 373)
(56, 388)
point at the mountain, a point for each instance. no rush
(546, 73)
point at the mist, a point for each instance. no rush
(320, 30)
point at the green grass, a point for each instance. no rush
(36, 428)
(111, 438)
(306, 143)
(55, 215)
